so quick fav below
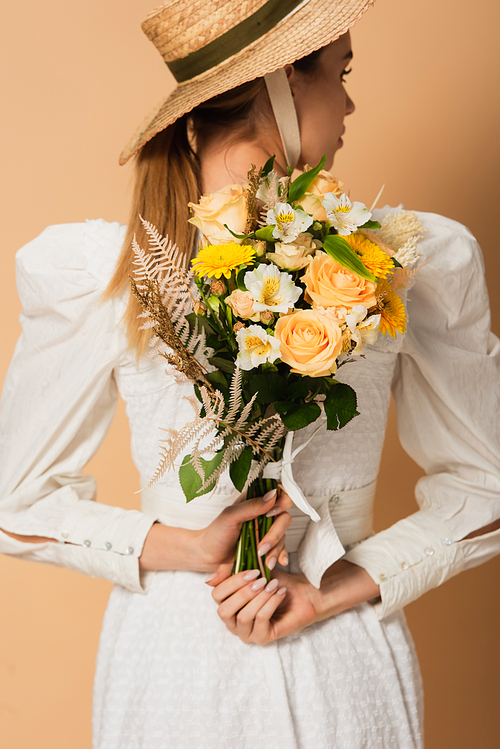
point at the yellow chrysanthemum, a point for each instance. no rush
(392, 311)
(220, 259)
(372, 256)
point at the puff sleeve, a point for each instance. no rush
(447, 392)
(58, 401)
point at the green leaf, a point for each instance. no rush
(238, 470)
(265, 233)
(397, 264)
(270, 386)
(238, 236)
(336, 246)
(282, 407)
(229, 314)
(268, 166)
(298, 417)
(240, 283)
(340, 406)
(190, 481)
(217, 378)
(371, 225)
(201, 322)
(296, 390)
(213, 341)
(224, 364)
(214, 303)
(299, 186)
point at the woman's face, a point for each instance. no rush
(322, 102)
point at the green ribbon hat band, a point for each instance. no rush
(233, 41)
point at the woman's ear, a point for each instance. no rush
(291, 74)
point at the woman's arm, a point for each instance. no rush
(210, 549)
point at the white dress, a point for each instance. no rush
(169, 674)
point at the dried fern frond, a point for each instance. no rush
(253, 186)
(221, 427)
(176, 353)
(161, 284)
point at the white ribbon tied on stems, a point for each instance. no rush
(281, 470)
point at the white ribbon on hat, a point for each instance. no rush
(285, 114)
(281, 471)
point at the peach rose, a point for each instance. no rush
(329, 284)
(241, 302)
(296, 255)
(310, 342)
(226, 206)
(323, 183)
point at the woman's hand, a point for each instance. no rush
(218, 541)
(212, 549)
(261, 613)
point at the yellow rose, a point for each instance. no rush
(241, 302)
(329, 284)
(323, 183)
(226, 206)
(310, 342)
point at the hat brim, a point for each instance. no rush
(310, 27)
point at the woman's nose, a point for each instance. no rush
(349, 105)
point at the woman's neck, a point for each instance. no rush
(224, 162)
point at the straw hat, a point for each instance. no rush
(212, 46)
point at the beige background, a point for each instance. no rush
(76, 79)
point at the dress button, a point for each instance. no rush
(108, 545)
(447, 541)
(130, 550)
(404, 565)
(65, 534)
(334, 499)
(429, 551)
(382, 578)
(86, 543)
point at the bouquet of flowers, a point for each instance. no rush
(291, 281)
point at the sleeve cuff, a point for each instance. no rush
(408, 559)
(105, 541)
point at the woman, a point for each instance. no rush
(312, 681)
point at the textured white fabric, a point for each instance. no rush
(350, 681)
(170, 676)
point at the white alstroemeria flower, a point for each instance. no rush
(343, 215)
(366, 333)
(271, 289)
(288, 222)
(357, 314)
(256, 347)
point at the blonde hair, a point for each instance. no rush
(167, 178)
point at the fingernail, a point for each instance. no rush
(272, 586)
(275, 511)
(281, 592)
(271, 563)
(211, 577)
(263, 549)
(251, 574)
(259, 584)
(270, 495)
(285, 561)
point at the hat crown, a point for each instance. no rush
(181, 27)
